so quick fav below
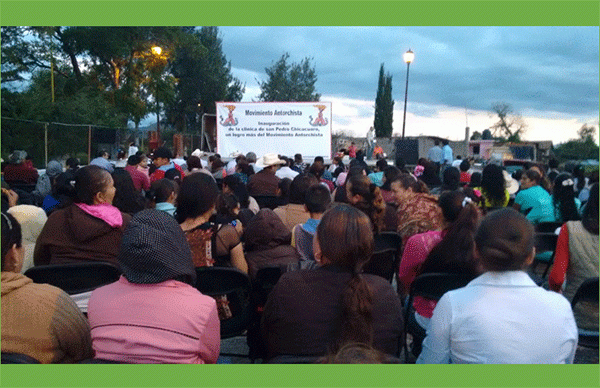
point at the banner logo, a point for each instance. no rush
(320, 120)
(230, 121)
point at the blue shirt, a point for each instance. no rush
(376, 178)
(539, 201)
(447, 159)
(311, 225)
(166, 207)
(435, 154)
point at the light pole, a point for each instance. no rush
(156, 50)
(408, 58)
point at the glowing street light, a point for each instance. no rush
(408, 57)
(156, 50)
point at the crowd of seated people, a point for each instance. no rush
(319, 225)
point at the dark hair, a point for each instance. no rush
(174, 175)
(563, 196)
(72, 163)
(475, 179)
(226, 204)
(400, 163)
(101, 153)
(345, 237)
(245, 167)
(216, 165)
(445, 142)
(408, 181)
(356, 169)
(454, 254)
(134, 160)
(390, 173)
(197, 195)
(451, 179)
(493, 184)
(298, 158)
(553, 163)
(371, 202)
(579, 173)
(319, 159)
(355, 353)
(465, 165)
(89, 181)
(504, 240)
(430, 174)
(284, 188)
(161, 190)
(193, 162)
(299, 187)
(590, 211)
(533, 175)
(436, 142)
(317, 198)
(239, 189)
(120, 154)
(317, 169)
(11, 234)
(127, 198)
(381, 164)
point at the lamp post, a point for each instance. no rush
(408, 57)
(156, 50)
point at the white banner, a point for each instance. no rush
(284, 128)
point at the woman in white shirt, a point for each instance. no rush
(502, 316)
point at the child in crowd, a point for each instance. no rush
(317, 200)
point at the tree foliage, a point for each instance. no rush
(510, 125)
(579, 149)
(289, 81)
(384, 105)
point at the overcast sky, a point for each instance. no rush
(548, 74)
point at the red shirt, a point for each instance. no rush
(352, 151)
(465, 177)
(160, 172)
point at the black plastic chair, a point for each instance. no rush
(587, 292)
(265, 280)
(547, 227)
(430, 286)
(75, 278)
(386, 256)
(545, 244)
(18, 358)
(218, 281)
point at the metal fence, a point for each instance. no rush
(45, 141)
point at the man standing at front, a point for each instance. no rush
(447, 157)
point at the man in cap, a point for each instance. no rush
(265, 182)
(162, 160)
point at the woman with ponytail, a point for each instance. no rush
(448, 251)
(313, 312)
(366, 197)
(502, 316)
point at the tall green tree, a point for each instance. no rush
(579, 149)
(204, 77)
(289, 81)
(384, 105)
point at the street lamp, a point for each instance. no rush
(156, 50)
(408, 57)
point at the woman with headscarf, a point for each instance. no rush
(154, 313)
(46, 181)
(89, 229)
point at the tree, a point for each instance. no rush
(579, 149)
(384, 105)
(289, 81)
(510, 125)
(204, 77)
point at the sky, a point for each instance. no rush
(549, 75)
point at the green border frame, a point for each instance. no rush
(305, 13)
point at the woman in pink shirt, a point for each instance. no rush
(153, 313)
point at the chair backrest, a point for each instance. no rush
(435, 285)
(547, 227)
(235, 285)
(382, 263)
(18, 358)
(385, 240)
(75, 278)
(545, 242)
(587, 292)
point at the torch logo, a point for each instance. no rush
(320, 120)
(230, 120)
